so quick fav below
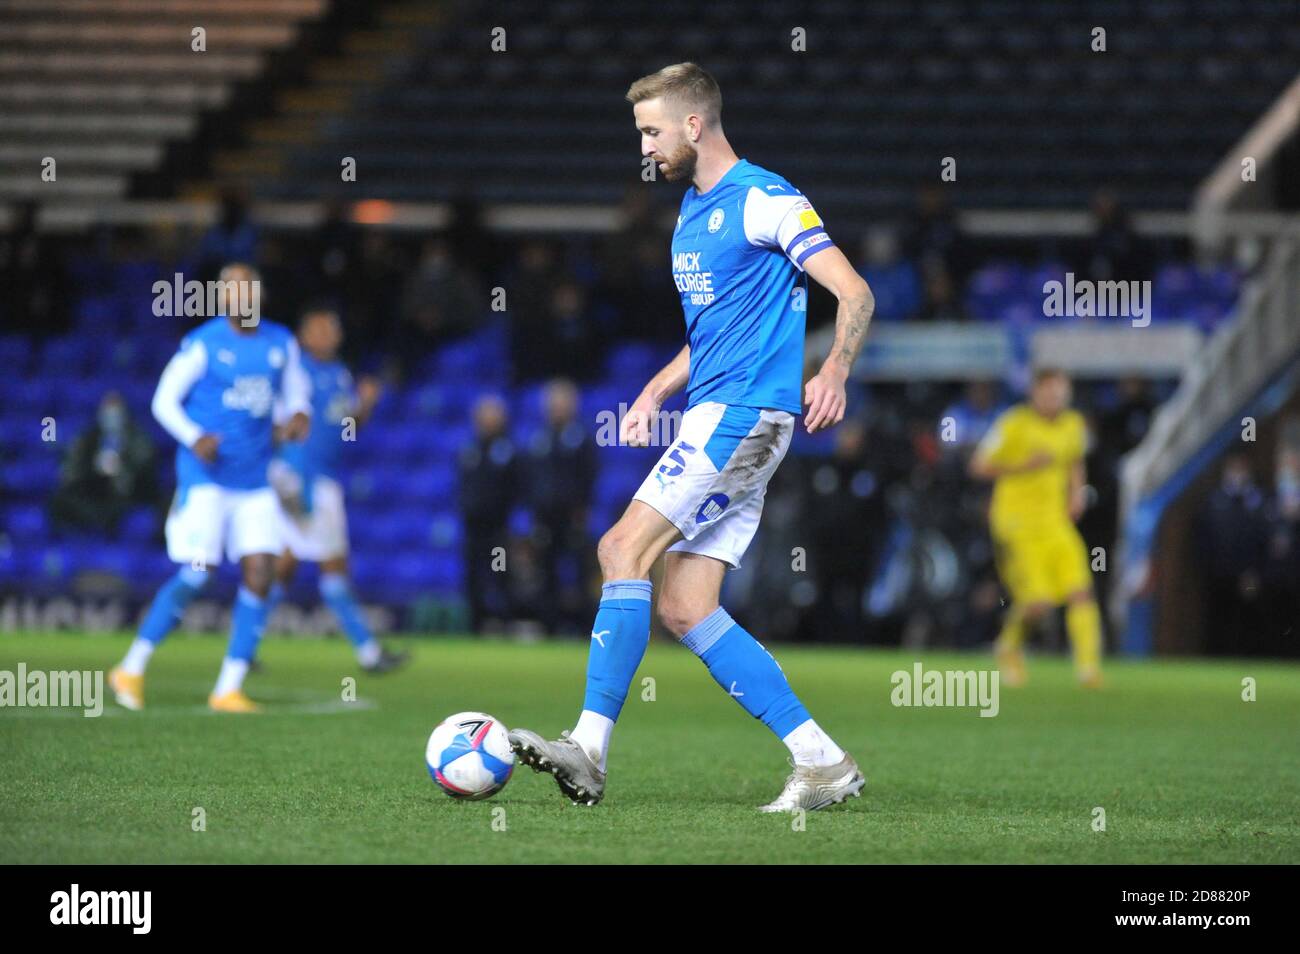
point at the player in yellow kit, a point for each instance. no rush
(1033, 454)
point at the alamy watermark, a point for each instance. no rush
(946, 687)
(56, 689)
(662, 429)
(238, 298)
(1084, 298)
(75, 906)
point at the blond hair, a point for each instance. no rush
(684, 86)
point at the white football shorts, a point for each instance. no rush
(711, 481)
(320, 534)
(207, 520)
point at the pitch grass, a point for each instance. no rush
(1184, 769)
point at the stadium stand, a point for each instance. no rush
(297, 85)
(889, 100)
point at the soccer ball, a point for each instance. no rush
(469, 755)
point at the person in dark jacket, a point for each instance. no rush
(562, 474)
(109, 469)
(488, 469)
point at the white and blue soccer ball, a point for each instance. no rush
(469, 755)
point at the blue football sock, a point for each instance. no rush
(618, 641)
(246, 625)
(274, 597)
(337, 594)
(169, 605)
(749, 673)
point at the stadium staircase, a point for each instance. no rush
(113, 91)
(104, 87)
(1247, 371)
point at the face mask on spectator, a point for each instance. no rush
(1288, 489)
(112, 419)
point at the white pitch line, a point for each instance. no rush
(320, 707)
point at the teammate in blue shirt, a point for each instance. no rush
(305, 475)
(744, 243)
(217, 397)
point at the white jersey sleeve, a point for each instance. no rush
(183, 371)
(295, 387)
(784, 220)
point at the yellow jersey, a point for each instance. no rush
(1038, 499)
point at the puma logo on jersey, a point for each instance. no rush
(598, 637)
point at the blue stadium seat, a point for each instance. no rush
(15, 353)
(991, 287)
(141, 525)
(32, 475)
(27, 523)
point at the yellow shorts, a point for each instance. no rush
(1044, 565)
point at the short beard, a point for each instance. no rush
(681, 164)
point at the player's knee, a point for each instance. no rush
(1079, 598)
(333, 585)
(193, 578)
(679, 617)
(258, 573)
(1036, 611)
(285, 569)
(617, 555)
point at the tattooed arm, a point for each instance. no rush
(824, 392)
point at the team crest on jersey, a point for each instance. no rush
(226, 356)
(275, 357)
(249, 392)
(715, 220)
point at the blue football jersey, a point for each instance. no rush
(738, 257)
(228, 383)
(333, 397)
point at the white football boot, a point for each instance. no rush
(813, 788)
(579, 778)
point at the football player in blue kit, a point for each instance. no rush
(305, 475)
(745, 240)
(218, 397)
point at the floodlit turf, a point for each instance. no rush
(1184, 769)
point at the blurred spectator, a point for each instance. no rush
(1115, 251)
(333, 251)
(633, 279)
(32, 275)
(971, 416)
(1123, 426)
(372, 304)
(894, 280)
(1117, 430)
(935, 238)
(1232, 535)
(232, 238)
(561, 478)
(109, 469)
(531, 281)
(489, 483)
(942, 303)
(844, 509)
(564, 345)
(1282, 561)
(439, 301)
(479, 249)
